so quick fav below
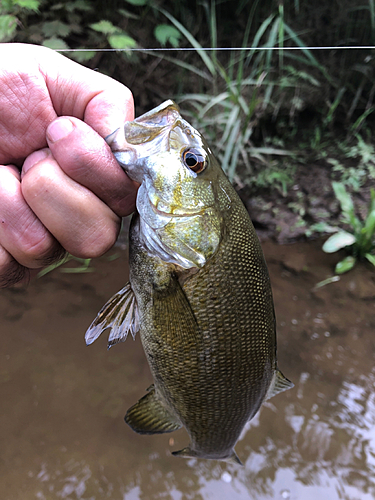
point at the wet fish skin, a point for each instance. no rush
(202, 295)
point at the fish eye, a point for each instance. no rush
(194, 160)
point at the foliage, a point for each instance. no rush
(84, 266)
(362, 153)
(239, 99)
(63, 25)
(360, 241)
(250, 85)
(165, 33)
(75, 24)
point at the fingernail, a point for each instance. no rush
(34, 158)
(59, 129)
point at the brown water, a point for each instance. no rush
(62, 434)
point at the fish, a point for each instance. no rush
(199, 292)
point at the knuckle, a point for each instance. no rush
(37, 249)
(97, 243)
(11, 272)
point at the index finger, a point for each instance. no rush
(100, 101)
(74, 90)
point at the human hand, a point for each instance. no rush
(71, 192)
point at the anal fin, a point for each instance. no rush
(279, 383)
(149, 416)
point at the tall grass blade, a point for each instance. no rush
(229, 148)
(213, 30)
(245, 42)
(281, 36)
(182, 64)
(359, 121)
(232, 122)
(369, 228)
(213, 102)
(371, 4)
(256, 41)
(204, 56)
(313, 61)
(271, 42)
(334, 105)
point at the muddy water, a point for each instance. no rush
(62, 434)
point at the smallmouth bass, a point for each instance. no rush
(199, 292)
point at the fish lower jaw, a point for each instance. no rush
(172, 214)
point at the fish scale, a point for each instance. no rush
(199, 292)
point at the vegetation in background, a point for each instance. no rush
(64, 25)
(266, 112)
(360, 240)
(362, 155)
(252, 84)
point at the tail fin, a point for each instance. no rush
(189, 453)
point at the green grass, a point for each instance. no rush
(247, 86)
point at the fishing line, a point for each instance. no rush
(221, 49)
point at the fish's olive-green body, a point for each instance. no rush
(199, 292)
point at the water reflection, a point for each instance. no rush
(62, 434)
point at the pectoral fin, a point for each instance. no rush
(120, 314)
(279, 383)
(175, 320)
(149, 416)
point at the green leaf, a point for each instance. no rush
(164, 33)
(105, 27)
(345, 265)
(78, 5)
(140, 3)
(322, 227)
(337, 241)
(81, 5)
(81, 56)
(369, 227)
(55, 29)
(28, 4)
(127, 14)
(121, 41)
(370, 258)
(331, 279)
(8, 26)
(347, 206)
(55, 44)
(372, 202)
(7, 5)
(344, 198)
(51, 267)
